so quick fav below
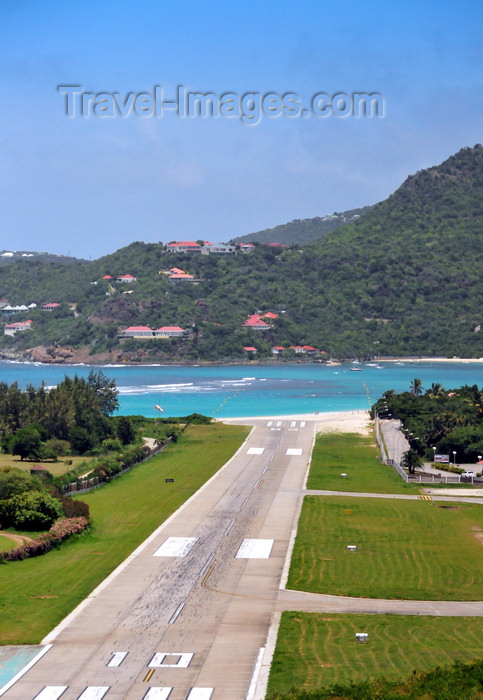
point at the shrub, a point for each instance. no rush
(60, 531)
(32, 510)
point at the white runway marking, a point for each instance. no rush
(158, 693)
(117, 658)
(94, 692)
(274, 428)
(270, 423)
(200, 694)
(184, 660)
(175, 547)
(293, 424)
(51, 692)
(294, 451)
(302, 424)
(279, 423)
(176, 614)
(255, 451)
(254, 549)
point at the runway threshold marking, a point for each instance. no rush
(184, 659)
(302, 424)
(175, 547)
(200, 694)
(158, 693)
(94, 692)
(117, 658)
(255, 451)
(51, 692)
(254, 549)
(294, 451)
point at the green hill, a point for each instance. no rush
(404, 279)
(300, 231)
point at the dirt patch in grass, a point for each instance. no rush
(19, 539)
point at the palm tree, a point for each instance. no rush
(411, 461)
(435, 390)
(416, 387)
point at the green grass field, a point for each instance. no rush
(55, 468)
(317, 650)
(37, 593)
(6, 543)
(358, 457)
(405, 549)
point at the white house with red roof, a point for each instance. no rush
(50, 307)
(169, 332)
(20, 326)
(138, 332)
(247, 247)
(250, 348)
(126, 278)
(181, 277)
(255, 323)
(277, 349)
(184, 247)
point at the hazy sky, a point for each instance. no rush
(88, 185)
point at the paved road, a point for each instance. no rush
(190, 623)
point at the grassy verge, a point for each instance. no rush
(358, 457)
(315, 650)
(38, 593)
(405, 549)
(55, 468)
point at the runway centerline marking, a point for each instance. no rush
(255, 451)
(176, 614)
(294, 451)
(254, 549)
(51, 692)
(175, 547)
(117, 658)
(158, 658)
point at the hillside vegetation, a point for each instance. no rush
(300, 231)
(404, 279)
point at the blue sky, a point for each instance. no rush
(86, 186)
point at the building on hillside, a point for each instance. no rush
(309, 350)
(126, 278)
(106, 277)
(169, 332)
(20, 326)
(50, 307)
(298, 349)
(218, 249)
(250, 349)
(137, 332)
(247, 247)
(255, 323)
(184, 247)
(9, 310)
(277, 349)
(270, 316)
(182, 277)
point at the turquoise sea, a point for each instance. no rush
(252, 390)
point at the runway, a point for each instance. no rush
(187, 616)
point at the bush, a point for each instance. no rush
(32, 510)
(60, 531)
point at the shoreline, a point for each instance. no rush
(355, 421)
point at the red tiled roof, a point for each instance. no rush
(250, 349)
(255, 322)
(269, 314)
(181, 276)
(278, 347)
(138, 328)
(184, 243)
(169, 328)
(176, 271)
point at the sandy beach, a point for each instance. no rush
(330, 422)
(412, 360)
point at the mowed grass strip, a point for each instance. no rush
(358, 457)
(316, 650)
(37, 593)
(405, 549)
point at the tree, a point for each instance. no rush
(32, 510)
(105, 390)
(125, 431)
(411, 461)
(416, 387)
(26, 443)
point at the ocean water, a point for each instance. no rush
(252, 390)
